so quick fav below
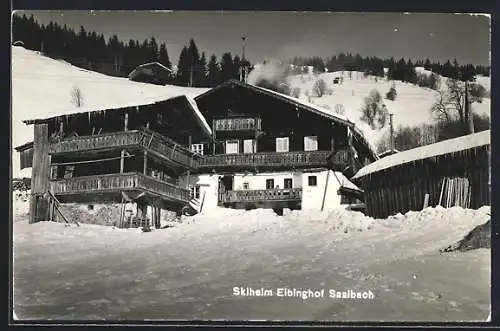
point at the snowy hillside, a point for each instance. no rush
(411, 107)
(41, 85)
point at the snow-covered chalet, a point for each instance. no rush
(236, 146)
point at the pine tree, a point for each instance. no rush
(427, 64)
(153, 50)
(213, 72)
(193, 61)
(236, 67)
(203, 70)
(226, 67)
(163, 56)
(183, 68)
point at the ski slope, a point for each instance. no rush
(410, 108)
(42, 85)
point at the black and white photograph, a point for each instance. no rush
(250, 166)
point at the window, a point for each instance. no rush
(232, 147)
(197, 148)
(245, 186)
(312, 180)
(269, 184)
(311, 143)
(282, 144)
(288, 183)
(194, 191)
(249, 146)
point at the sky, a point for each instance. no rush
(284, 35)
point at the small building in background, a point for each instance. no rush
(454, 172)
(153, 73)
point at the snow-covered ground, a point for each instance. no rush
(410, 108)
(189, 271)
(42, 85)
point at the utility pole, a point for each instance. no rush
(391, 132)
(467, 110)
(243, 68)
(191, 76)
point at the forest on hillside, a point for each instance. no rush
(115, 57)
(90, 50)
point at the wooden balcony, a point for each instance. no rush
(144, 139)
(237, 124)
(265, 160)
(117, 183)
(285, 195)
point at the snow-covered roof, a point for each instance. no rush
(309, 106)
(154, 64)
(106, 107)
(150, 64)
(346, 183)
(423, 152)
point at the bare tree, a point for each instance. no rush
(453, 101)
(319, 87)
(295, 92)
(374, 112)
(76, 96)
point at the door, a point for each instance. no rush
(227, 183)
(232, 147)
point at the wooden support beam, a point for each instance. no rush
(125, 126)
(40, 174)
(122, 161)
(213, 137)
(145, 164)
(326, 189)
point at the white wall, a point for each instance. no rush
(208, 188)
(312, 196)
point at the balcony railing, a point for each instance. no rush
(269, 160)
(147, 139)
(118, 182)
(237, 124)
(293, 194)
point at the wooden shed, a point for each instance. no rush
(454, 172)
(26, 154)
(154, 73)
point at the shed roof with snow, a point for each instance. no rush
(428, 151)
(191, 105)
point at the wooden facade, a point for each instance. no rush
(133, 154)
(240, 111)
(258, 130)
(143, 151)
(412, 185)
(271, 198)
